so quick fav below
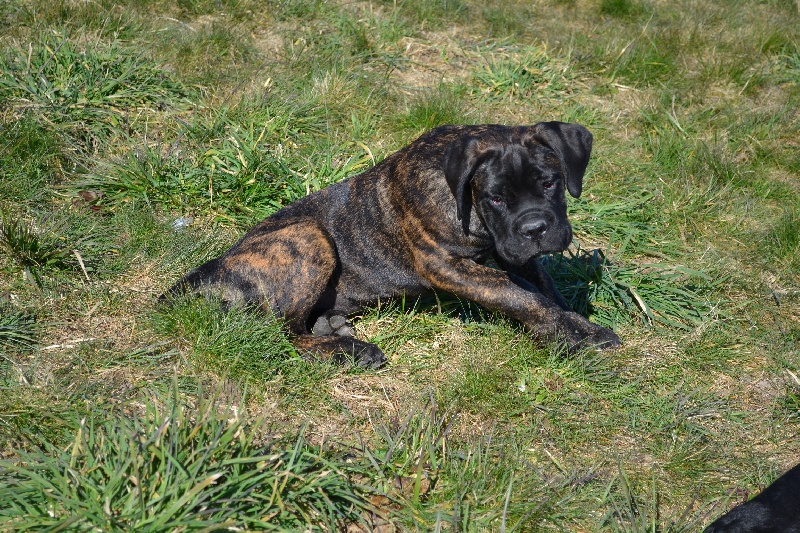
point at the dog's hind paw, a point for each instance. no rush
(341, 350)
(333, 323)
(367, 355)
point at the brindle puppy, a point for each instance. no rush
(424, 219)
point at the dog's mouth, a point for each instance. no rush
(518, 255)
(521, 248)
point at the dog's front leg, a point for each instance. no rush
(534, 273)
(494, 289)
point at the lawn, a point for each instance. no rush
(139, 138)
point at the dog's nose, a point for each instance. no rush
(533, 228)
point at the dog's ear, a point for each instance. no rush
(572, 143)
(461, 159)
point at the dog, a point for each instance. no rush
(425, 219)
(775, 510)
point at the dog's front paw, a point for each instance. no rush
(368, 355)
(580, 333)
(603, 339)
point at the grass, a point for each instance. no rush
(17, 329)
(33, 251)
(670, 295)
(138, 139)
(91, 89)
(177, 467)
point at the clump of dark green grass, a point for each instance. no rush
(620, 8)
(174, 467)
(782, 241)
(18, 329)
(30, 159)
(36, 252)
(610, 293)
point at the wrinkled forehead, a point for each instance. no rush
(525, 161)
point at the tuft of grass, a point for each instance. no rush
(30, 160)
(239, 179)
(782, 241)
(625, 223)
(35, 251)
(788, 406)
(430, 15)
(654, 293)
(215, 52)
(93, 90)
(522, 73)
(433, 107)
(632, 512)
(620, 8)
(18, 329)
(650, 58)
(433, 480)
(24, 424)
(507, 20)
(177, 467)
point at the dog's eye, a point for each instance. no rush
(496, 200)
(548, 185)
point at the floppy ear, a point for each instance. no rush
(461, 160)
(572, 143)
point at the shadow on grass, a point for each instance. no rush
(653, 293)
(608, 292)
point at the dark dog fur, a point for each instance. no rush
(775, 510)
(424, 219)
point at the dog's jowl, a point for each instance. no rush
(424, 219)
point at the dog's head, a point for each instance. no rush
(514, 181)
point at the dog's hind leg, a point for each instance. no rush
(286, 269)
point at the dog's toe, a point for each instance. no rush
(322, 327)
(333, 323)
(337, 321)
